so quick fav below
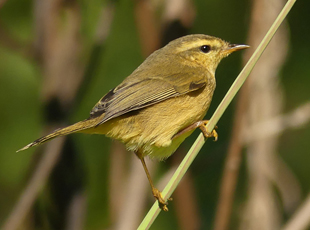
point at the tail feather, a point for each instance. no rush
(79, 126)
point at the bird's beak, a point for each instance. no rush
(234, 47)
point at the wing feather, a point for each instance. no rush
(130, 95)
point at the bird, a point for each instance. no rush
(160, 103)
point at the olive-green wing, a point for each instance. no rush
(130, 96)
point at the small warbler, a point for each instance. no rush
(161, 103)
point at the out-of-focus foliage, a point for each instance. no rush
(21, 116)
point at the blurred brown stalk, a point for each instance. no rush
(259, 100)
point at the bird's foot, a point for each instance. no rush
(202, 126)
(162, 202)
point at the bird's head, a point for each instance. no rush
(203, 50)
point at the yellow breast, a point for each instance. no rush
(150, 130)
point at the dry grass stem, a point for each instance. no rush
(35, 184)
(58, 48)
(137, 189)
(149, 32)
(133, 201)
(77, 212)
(186, 204)
(232, 165)
(277, 125)
(105, 22)
(182, 10)
(301, 219)
(117, 178)
(264, 102)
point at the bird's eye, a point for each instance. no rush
(205, 48)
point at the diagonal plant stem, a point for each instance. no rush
(192, 153)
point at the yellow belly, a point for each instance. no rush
(150, 130)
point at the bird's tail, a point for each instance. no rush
(77, 127)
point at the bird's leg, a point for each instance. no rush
(156, 193)
(202, 125)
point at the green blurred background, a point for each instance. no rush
(45, 44)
